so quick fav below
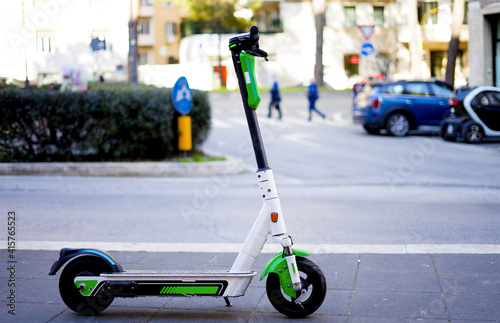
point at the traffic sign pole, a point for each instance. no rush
(185, 139)
(182, 97)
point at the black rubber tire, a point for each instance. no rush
(444, 135)
(313, 281)
(372, 130)
(86, 305)
(473, 133)
(398, 124)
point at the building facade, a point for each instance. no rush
(290, 38)
(158, 32)
(46, 39)
(49, 40)
(484, 47)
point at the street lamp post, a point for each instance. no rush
(132, 48)
(26, 82)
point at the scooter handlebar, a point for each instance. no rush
(254, 34)
(248, 42)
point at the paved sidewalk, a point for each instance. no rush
(361, 288)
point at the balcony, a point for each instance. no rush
(146, 11)
(145, 40)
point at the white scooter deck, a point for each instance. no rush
(218, 283)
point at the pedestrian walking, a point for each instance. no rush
(275, 99)
(312, 95)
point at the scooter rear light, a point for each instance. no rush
(274, 217)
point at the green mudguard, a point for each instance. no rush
(279, 266)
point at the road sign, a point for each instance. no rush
(96, 44)
(367, 31)
(182, 96)
(367, 49)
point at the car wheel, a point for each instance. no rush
(473, 133)
(372, 130)
(398, 125)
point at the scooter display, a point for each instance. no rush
(295, 285)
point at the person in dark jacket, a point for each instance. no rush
(312, 95)
(275, 99)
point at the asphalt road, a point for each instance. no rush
(337, 184)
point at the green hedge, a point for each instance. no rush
(107, 124)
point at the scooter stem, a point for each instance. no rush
(270, 220)
(253, 124)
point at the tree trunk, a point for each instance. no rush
(458, 17)
(319, 7)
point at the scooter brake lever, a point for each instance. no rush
(257, 52)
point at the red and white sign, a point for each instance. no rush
(367, 31)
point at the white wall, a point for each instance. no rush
(72, 22)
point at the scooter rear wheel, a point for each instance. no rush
(86, 305)
(309, 300)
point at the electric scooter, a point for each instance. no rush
(295, 285)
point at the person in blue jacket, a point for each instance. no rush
(275, 99)
(312, 95)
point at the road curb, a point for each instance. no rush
(126, 169)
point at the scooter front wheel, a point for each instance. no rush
(308, 300)
(86, 305)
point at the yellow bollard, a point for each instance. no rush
(184, 127)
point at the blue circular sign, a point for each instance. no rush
(182, 96)
(367, 49)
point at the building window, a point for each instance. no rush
(170, 32)
(351, 64)
(45, 41)
(378, 16)
(427, 10)
(269, 21)
(168, 3)
(350, 17)
(143, 27)
(146, 3)
(143, 58)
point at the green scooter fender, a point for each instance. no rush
(277, 264)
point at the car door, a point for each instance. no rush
(427, 108)
(487, 107)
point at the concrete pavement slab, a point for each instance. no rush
(373, 319)
(474, 307)
(403, 305)
(397, 281)
(404, 262)
(473, 283)
(468, 263)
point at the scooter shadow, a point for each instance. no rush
(136, 314)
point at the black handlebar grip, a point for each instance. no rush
(254, 34)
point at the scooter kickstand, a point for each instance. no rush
(228, 303)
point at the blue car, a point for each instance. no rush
(401, 106)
